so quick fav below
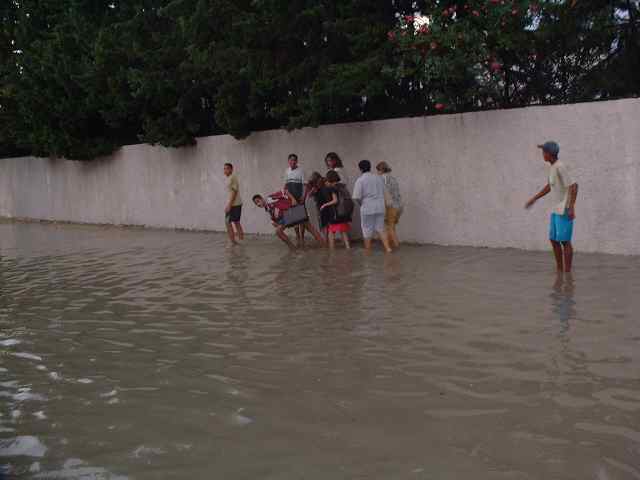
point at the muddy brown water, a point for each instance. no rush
(156, 354)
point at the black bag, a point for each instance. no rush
(344, 209)
(295, 216)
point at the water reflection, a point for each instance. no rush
(147, 354)
(562, 300)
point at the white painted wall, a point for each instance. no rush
(465, 178)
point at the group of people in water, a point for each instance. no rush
(377, 197)
(380, 204)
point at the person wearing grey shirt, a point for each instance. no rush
(369, 193)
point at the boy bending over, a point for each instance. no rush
(275, 205)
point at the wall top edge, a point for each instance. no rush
(599, 104)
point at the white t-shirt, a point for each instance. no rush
(559, 180)
(369, 191)
(294, 176)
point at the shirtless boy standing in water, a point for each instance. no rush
(565, 192)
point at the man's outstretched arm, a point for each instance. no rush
(538, 196)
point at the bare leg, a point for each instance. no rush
(385, 242)
(332, 240)
(367, 244)
(388, 235)
(393, 237)
(568, 256)
(232, 235)
(557, 285)
(239, 231)
(315, 234)
(299, 235)
(557, 252)
(345, 238)
(284, 237)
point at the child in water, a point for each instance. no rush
(337, 223)
(321, 194)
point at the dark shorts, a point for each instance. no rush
(296, 190)
(234, 214)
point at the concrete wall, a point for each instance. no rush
(465, 178)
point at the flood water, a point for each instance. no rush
(157, 354)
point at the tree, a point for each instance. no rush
(465, 55)
(8, 107)
(80, 78)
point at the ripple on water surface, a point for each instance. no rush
(156, 354)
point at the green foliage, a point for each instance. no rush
(80, 78)
(8, 107)
(474, 54)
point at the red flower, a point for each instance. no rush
(423, 29)
(495, 2)
(440, 106)
(391, 35)
(495, 66)
(408, 18)
(475, 13)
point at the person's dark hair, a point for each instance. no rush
(364, 166)
(292, 155)
(255, 197)
(316, 180)
(333, 177)
(334, 156)
(228, 165)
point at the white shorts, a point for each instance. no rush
(371, 224)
